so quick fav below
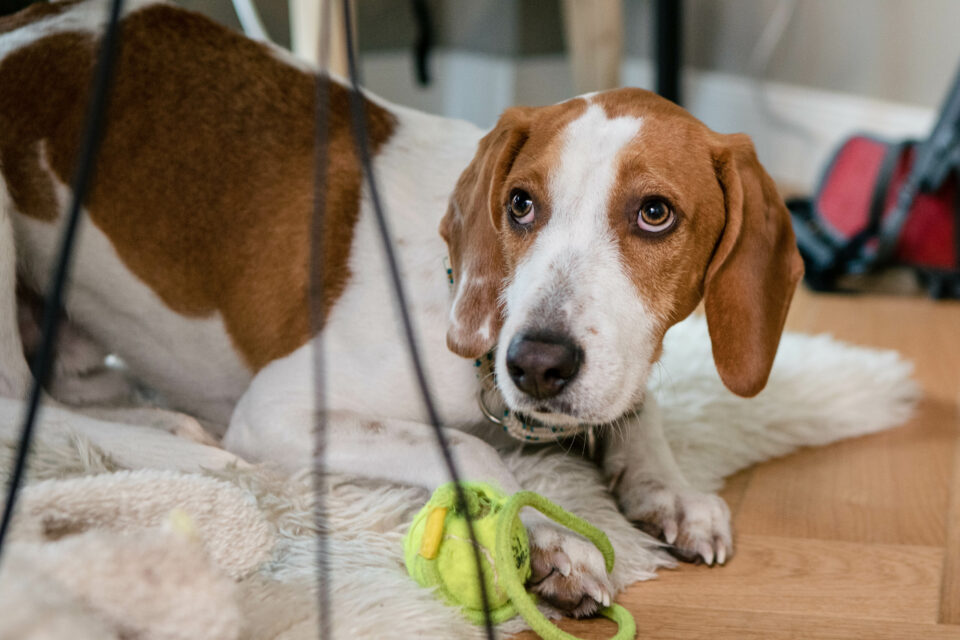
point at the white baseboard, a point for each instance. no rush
(795, 128)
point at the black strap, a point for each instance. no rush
(878, 201)
(956, 217)
(852, 252)
(934, 160)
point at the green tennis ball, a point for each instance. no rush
(438, 551)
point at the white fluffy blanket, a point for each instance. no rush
(134, 532)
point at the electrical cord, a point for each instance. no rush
(315, 297)
(93, 129)
(358, 117)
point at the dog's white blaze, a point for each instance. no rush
(575, 271)
(579, 191)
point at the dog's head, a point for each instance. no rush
(582, 231)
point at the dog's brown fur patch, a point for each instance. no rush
(205, 177)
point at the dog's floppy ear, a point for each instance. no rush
(470, 230)
(754, 270)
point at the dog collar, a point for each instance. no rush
(516, 425)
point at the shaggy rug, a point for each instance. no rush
(159, 516)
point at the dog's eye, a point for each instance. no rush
(655, 216)
(521, 207)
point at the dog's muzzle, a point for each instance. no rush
(517, 425)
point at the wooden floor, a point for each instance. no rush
(856, 540)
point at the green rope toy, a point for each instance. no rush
(437, 553)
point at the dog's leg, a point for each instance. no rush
(653, 493)
(104, 386)
(569, 572)
(14, 372)
(174, 422)
(79, 375)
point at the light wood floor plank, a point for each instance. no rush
(786, 575)
(950, 589)
(887, 488)
(665, 622)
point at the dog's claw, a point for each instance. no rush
(670, 531)
(706, 552)
(597, 593)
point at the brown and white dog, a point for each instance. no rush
(578, 233)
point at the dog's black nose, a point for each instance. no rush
(542, 364)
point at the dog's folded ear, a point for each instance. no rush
(754, 270)
(470, 228)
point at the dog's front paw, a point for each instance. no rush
(568, 572)
(696, 524)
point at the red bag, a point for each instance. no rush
(883, 204)
(869, 212)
